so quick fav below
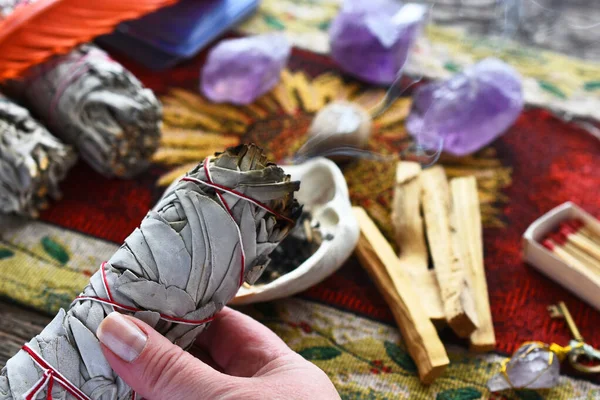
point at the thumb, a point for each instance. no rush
(153, 366)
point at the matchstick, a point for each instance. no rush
(468, 241)
(561, 240)
(580, 240)
(381, 263)
(571, 260)
(456, 294)
(584, 229)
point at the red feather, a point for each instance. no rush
(35, 32)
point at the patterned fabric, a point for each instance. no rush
(367, 360)
(565, 85)
(540, 163)
(342, 325)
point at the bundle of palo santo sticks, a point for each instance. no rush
(438, 220)
(577, 245)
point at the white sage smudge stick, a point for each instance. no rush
(183, 264)
(93, 103)
(32, 161)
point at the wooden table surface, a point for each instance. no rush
(17, 326)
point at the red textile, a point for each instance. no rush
(553, 162)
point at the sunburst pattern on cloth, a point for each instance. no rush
(278, 121)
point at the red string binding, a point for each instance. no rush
(50, 376)
(233, 192)
(111, 302)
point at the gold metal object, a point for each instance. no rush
(560, 310)
(578, 347)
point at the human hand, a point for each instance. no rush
(243, 359)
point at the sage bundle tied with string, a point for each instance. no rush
(93, 103)
(32, 161)
(210, 233)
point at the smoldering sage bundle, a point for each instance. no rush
(211, 231)
(32, 161)
(93, 103)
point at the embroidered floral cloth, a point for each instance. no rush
(342, 325)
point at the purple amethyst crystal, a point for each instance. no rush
(239, 71)
(371, 39)
(469, 110)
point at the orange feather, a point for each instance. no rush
(37, 31)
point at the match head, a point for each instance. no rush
(576, 223)
(566, 230)
(547, 243)
(558, 238)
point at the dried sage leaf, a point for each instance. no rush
(32, 161)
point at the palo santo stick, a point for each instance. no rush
(406, 216)
(468, 240)
(459, 304)
(427, 286)
(422, 341)
(408, 229)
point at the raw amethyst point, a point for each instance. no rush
(239, 71)
(469, 110)
(371, 39)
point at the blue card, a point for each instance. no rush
(165, 37)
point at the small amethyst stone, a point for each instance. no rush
(370, 39)
(239, 71)
(533, 366)
(469, 110)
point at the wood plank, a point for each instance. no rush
(456, 294)
(18, 326)
(468, 239)
(379, 260)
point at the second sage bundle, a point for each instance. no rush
(93, 103)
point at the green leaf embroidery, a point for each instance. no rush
(551, 88)
(528, 395)
(467, 393)
(400, 356)
(55, 250)
(358, 394)
(320, 353)
(452, 67)
(6, 253)
(324, 26)
(274, 22)
(592, 85)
